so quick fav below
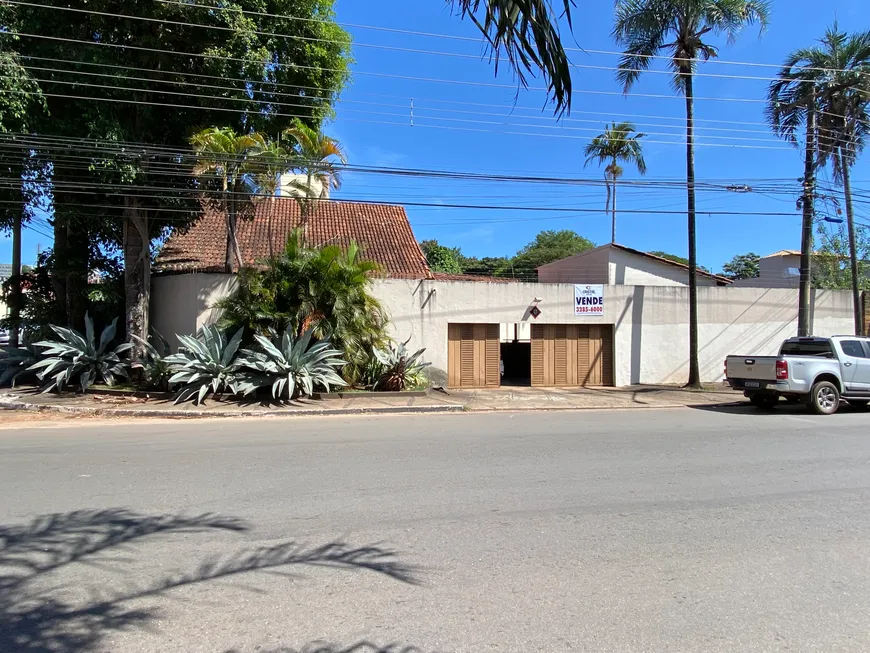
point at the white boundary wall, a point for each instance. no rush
(651, 322)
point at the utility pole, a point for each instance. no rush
(808, 205)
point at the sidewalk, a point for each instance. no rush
(641, 396)
(34, 404)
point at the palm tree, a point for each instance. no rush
(614, 145)
(244, 165)
(646, 28)
(831, 81)
(528, 34)
(315, 155)
(323, 288)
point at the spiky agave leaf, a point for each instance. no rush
(290, 367)
(78, 356)
(399, 367)
(206, 364)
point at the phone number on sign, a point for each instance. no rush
(588, 309)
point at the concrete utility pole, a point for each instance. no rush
(808, 203)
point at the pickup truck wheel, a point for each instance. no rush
(764, 402)
(824, 398)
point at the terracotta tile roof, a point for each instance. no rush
(382, 231)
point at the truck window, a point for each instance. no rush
(820, 348)
(853, 348)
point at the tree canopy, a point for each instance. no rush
(831, 267)
(441, 258)
(156, 74)
(742, 266)
(548, 246)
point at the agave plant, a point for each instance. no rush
(291, 367)
(155, 367)
(204, 364)
(80, 356)
(17, 361)
(400, 368)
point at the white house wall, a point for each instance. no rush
(651, 322)
(627, 269)
(182, 303)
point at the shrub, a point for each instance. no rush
(17, 361)
(290, 367)
(325, 288)
(400, 368)
(79, 356)
(156, 369)
(205, 363)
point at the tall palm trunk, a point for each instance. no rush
(607, 203)
(853, 254)
(694, 366)
(613, 221)
(230, 210)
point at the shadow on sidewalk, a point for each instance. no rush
(41, 614)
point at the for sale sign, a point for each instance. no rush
(588, 300)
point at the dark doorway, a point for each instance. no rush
(517, 360)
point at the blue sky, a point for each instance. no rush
(485, 125)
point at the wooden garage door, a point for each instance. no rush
(572, 354)
(473, 354)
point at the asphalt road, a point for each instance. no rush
(656, 530)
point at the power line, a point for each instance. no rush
(479, 40)
(163, 21)
(608, 114)
(385, 75)
(417, 108)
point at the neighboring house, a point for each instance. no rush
(778, 270)
(189, 273)
(382, 232)
(617, 265)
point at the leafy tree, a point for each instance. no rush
(315, 158)
(528, 33)
(831, 79)
(671, 257)
(243, 166)
(645, 28)
(614, 145)
(441, 258)
(235, 72)
(325, 288)
(742, 266)
(832, 269)
(548, 246)
(490, 266)
(20, 99)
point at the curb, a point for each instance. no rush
(198, 414)
(555, 409)
(6, 404)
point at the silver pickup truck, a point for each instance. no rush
(816, 371)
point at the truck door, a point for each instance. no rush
(855, 365)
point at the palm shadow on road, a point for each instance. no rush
(38, 615)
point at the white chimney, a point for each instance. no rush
(289, 186)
